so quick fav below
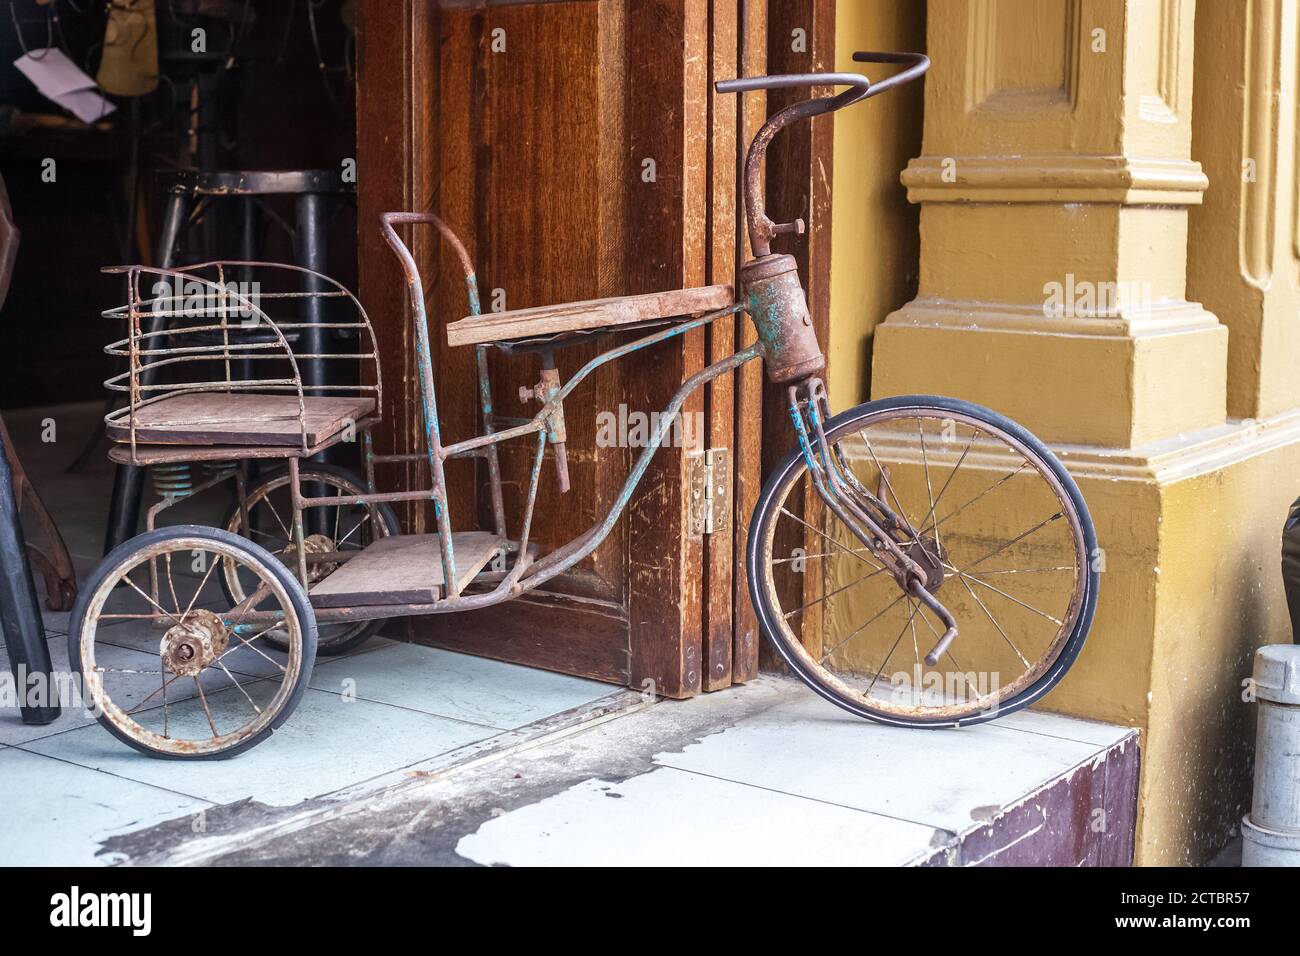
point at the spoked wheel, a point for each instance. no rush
(986, 511)
(343, 528)
(210, 690)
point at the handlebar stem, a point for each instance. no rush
(763, 230)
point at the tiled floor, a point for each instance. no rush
(67, 786)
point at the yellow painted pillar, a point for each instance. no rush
(1055, 183)
(1054, 188)
(1242, 261)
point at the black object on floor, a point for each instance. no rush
(1291, 566)
(20, 614)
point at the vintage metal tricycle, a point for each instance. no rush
(947, 551)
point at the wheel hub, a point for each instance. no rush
(929, 554)
(188, 647)
(312, 544)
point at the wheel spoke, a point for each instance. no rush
(1017, 539)
(1029, 607)
(929, 488)
(952, 514)
(894, 646)
(831, 594)
(266, 499)
(198, 684)
(130, 617)
(212, 566)
(171, 583)
(237, 684)
(872, 620)
(842, 547)
(948, 481)
(161, 609)
(364, 518)
(1064, 567)
(163, 689)
(249, 644)
(823, 554)
(989, 615)
(884, 474)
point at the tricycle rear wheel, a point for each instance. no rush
(348, 528)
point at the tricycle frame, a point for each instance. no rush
(771, 293)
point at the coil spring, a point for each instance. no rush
(172, 479)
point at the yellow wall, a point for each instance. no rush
(875, 244)
(1179, 422)
(1190, 587)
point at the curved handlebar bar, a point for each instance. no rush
(761, 229)
(747, 84)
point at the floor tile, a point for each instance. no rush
(671, 818)
(328, 743)
(1058, 725)
(459, 686)
(57, 814)
(933, 777)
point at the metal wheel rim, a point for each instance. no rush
(1005, 692)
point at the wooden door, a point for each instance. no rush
(579, 151)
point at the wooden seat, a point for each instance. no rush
(239, 418)
(404, 569)
(594, 315)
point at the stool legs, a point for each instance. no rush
(128, 480)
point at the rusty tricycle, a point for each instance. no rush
(949, 558)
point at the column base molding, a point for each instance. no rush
(1115, 382)
(1129, 180)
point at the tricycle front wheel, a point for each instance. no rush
(211, 690)
(985, 508)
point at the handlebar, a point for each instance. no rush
(748, 84)
(761, 229)
(861, 87)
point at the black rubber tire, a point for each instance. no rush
(325, 647)
(766, 510)
(297, 596)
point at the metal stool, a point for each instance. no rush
(189, 195)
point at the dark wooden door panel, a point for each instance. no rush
(530, 128)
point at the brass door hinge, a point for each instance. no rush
(710, 481)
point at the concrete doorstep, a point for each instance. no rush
(763, 774)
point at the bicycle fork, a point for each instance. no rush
(886, 534)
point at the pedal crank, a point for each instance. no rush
(918, 591)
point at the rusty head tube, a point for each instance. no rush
(761, 229)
